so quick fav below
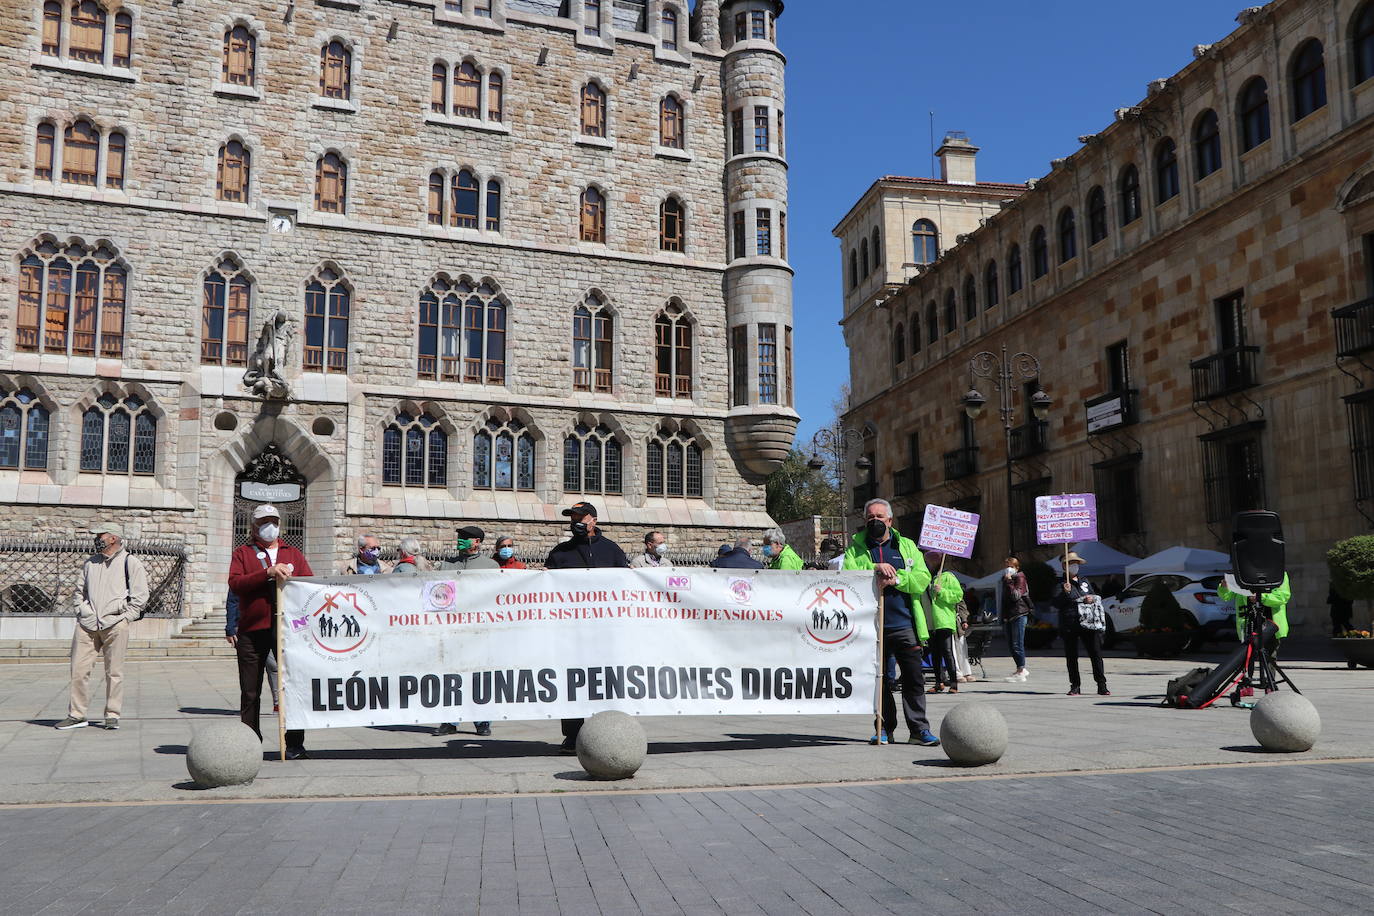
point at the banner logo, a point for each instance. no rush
(681, 583)
(339, 622)
(741, 590)
(830, 607)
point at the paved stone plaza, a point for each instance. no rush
(1100, 805)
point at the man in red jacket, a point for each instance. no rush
(255, 569)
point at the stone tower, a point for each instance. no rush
(758, 282)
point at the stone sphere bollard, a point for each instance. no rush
(611, 745)
(224, 754)
(974, 734)
(1286, 721)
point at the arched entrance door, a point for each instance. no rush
(271, 478)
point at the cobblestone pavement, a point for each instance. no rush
(1255, 839)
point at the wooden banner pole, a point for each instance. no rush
(281, 678)
(1066, 562)
(882, 668)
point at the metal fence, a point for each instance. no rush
(40, 576)
(686, 558)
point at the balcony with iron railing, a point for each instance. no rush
(962, 462)
(1029, 439)
(1226, 372)
(906, 482)
(1354, 327)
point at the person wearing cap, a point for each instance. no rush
(367, 561)
(655, 555)
(114, 589)
(255, 571)
(736, 557)
(1072, 594)
(588, 548)
(470, 551)
(469, 557)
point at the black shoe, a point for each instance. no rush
(448, 728)
(1103, 692)
(483, 729)
(1073, 691)
(568, 748)
(296, 753)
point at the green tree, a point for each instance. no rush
(796, 490)
(1352, 567)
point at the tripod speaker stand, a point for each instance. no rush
(1260, 669)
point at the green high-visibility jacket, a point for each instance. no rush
(912, 580)
(1276, 600)
(786, 559)
(944, 594)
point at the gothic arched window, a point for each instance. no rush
(1015, 278)
(118, 436)
(1068, 236)
(414, 452)
(593, 111)
(673, 465)
(1307, 76)
(331, 184)
(672, 225)
(673, 351)
(671, 123)
(233, 171)
(1206, 144)
(593, 216)
(593, 327)
(24, 424)
(239, 66)
(327, 307)
(1166, 170)
(76, 296)
(467, 91)
(1097, 215)
(592, 461)
(462, 333)
(463, 213)
(991, 293)
(336, 62)
(1253, 114)
(225, 315)
(503, 456)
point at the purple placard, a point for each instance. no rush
(949, 531)
(1066, 518)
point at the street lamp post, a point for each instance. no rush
(1003, 372)
(837, 440)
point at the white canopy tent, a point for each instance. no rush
(1098, 560)
(1180, 559)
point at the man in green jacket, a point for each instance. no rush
(902, 575)
(1276, 601)
(779, 555)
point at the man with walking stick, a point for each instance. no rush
(900, 570)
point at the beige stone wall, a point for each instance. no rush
(168, 227)
(1279, 224)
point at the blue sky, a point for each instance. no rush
(1024, 79)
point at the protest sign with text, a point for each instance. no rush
(950, 531)
(1066, 518)
(497, 645)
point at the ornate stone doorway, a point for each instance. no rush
(271, 477)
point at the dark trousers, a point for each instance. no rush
(942, 656)
(901, 644)
(570, 729)
(1091, 641)
(253, 651)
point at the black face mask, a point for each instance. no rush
(579, 529)
(876, 529)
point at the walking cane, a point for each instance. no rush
(882, 666)
(281, 679)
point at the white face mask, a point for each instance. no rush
(269, 532)
(1073, 569)
(661, 550)
(1010, 570)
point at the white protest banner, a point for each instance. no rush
(1066, 518)
(950, 531)
(494, 645)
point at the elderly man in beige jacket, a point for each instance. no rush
(114, 589)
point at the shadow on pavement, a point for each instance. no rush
(472, 749)
(1141, 702)
(175, 750)
(414, 729)
(43, 723)
(208, 711)
(1251, 749)
(751, 743)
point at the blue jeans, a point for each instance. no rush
(1016, 639)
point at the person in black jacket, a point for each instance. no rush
(586, 549)
(1074, 592)
(738, 558)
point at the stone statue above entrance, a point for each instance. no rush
(264, 377)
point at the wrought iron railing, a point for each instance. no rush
(1354, 327)
(39, 576)
(1029, 439)
(962, 462)
(863, 493)
(1224, 373)
(906, 481)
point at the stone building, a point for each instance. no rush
(1196, 283)
(509, 254)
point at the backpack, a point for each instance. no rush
(961, 613)
(1182, 687)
